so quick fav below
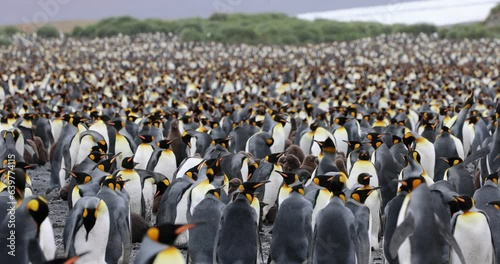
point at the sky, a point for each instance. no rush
(41, 11)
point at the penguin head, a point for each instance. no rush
(167, 233)
(469, 102)
(38, 208)
(327, 146)
(16, 178)
(107, 163)
(224, 142)
(247, 190)
(165, 144)
(361, 194)
(364, 155)
(322, 180)
(364, 178)
(298, 188)
(161, 187)
(118, 124)
(414, 155)
(120, 183)
(493, 177)
(337, 182)
(128, 163)
(214, 192)
(465, 202)
(109, 182)
(314, 126)
(274, 157)
(408, 139)
(96, 154)
(234, 185)
(146, 138)
(90, 215)
(192, 173)
(186, 138)
(102, 145)
(289, 177)
(412, 182)
(341, 120)
(354, 144)
(452, 161)
(80, 176)
(445, 129)
(496, 204)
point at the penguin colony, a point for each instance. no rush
(343, 148)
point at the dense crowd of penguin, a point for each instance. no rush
(343, 148)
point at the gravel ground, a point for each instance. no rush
(59, 211)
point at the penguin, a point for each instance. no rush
(370, 196)
(161, 187)
(158, 245)
(178, 146)
(278, 134)
(88, 139)
(489, 192)
(124, 142)
(459, 177)
(318, 194)
(201, 186)
(391, 213)
(363, 165)
(74, 188)
(417, 238)
(293, 223)
(133, 186)
(202, 239)
(336, 219)
(239, 226)
(163, 160)
(326, 157)
(426, 150)
(259, 145)
(43, 130)
(289, 179)
(492, 210)
(119, 244)
(445, 146)
(31, 230)
(144, 151)
(341, 135)
(472, 233)
(363, 224)
(87, 229)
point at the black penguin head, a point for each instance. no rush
(364, 178)
(214, 192)
(89, 216)
(118, 124)
(445, 129)
(412, 182)
(495, 204)
(165, 144)
(250, 187)
(465, 202)
(298, 188)
(364, 155)
(107, 164)
(274, 157)
(128, 163)
(109, 182)
(167, 233)
(327, 146)
(80, 176)
(337, 182)
(193, 173)
(415, 155)
(453, 161)
(102, 145)
(361, 194)
(354, 144)
(161, 187)
(408, 140)
(269, 141)
(146, 138)
(38, 208)
(96, 154)
(322, 180)
(493, 177)
(314, 126)
(341, 120)
(224, 142)
(186, 138)
(16, 178)
(395, 139)
(289, 177)
(214, 167)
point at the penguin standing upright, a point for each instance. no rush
(144, 151)
(363, 224)
(370, 196)
(239, 226)
(87, 230)
(124, 142)
(472, 233)
(391, 213)
(489, 192)
(279, 135)
(426, 150)
(260, 145)
(293, 223)
(446, 146)
(492, 210)
(163, 160)
(459, 177)
(133, 186)
(335, 239)
(202, 239)
(363, 165)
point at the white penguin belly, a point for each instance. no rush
(134, 189)
(148, 195)
(62, 173)
(142, 156)
(122, 146)
(428, 156)
(167, 164)
(46, 241)
(244, 170)
(404, 251)
(340, 136)
(96, 243)
(474, 238)
(73, 149)
(85, 147)
(283, 194)
(181, 218)
(322, 201)
(279, 139)
(271, 192)
(198, 194)
(373, 202)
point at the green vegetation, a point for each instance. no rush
(47, 31)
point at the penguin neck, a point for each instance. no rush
(338, 197)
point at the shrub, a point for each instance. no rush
(47, 31)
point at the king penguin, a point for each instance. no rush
(293, 223)
(144, 151)
(472, 233)
(163, 160)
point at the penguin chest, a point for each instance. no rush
(100, 127)
(46, 240)
(122, 145)
(373, 202)
(56, 127)
(473, 235)
(74, 147)
(279, 138)
(322, 200)
(75, 195)
(96, 243)
(134, 189)
(306, 142)
(244, 170)
(192, 149)
(198, 194)
(404, 251)
(167, 164)
(283, 194)
(169, 255)
(142, 155)
(148, 191)
(86, 144)
(359, 167)
(341, 137)
(271, 191)
(182, 208)
(256, 206)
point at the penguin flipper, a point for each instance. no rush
(475, 155)
(35, 252)
(448, 236)
(404, 230)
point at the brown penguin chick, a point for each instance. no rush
(43, 156)
(296, 151)
(63, 193)
(233, 185)
(340, 163)
(290, 162)
(178, 146)
(309, 163)
(139, 227)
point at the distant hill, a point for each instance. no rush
(493, 19)
(64, 26)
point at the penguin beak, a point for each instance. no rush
(171, 140)
(183, 228)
